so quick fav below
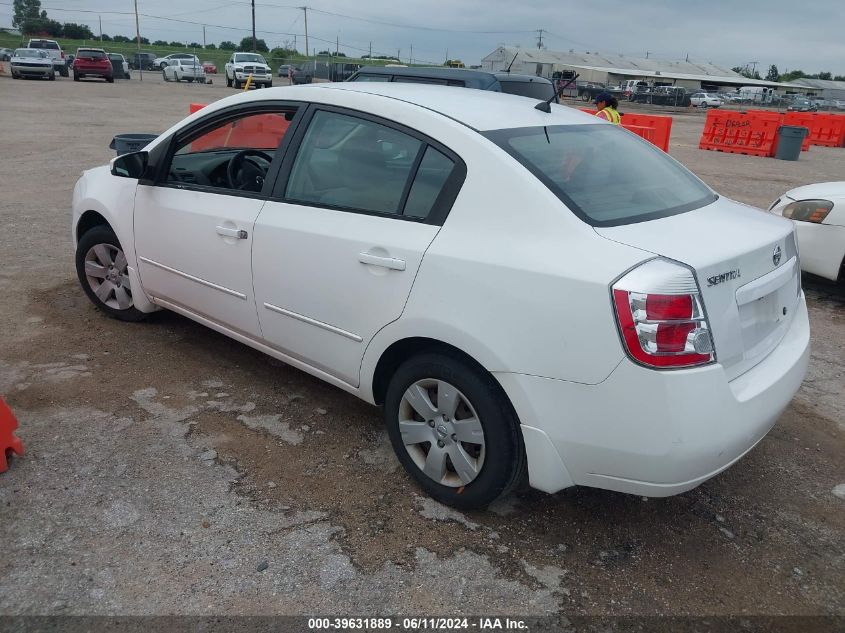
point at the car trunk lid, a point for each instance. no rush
(746, 262)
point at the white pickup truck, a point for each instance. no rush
(242, 65)
(54, 50)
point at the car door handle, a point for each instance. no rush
(385, 262)
(236, 233)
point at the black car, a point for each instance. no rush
(142, 61)
(523, 85)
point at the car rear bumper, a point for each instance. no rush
(654, 433)
(93, 72)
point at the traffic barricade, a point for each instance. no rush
(740, 133)
(660, 124)
(825, 129)
(195, 107)
(9, 442)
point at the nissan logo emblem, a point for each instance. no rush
(776, 256)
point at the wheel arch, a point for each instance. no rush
(87, 221)
(401, 350)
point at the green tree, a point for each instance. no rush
(773, 74)
(211, 47)
(26, 10)
(283, 52)
(792, 74)
(74, 31)
(159, 43)
(226, 45)
(246, 45)
(122, 39)
(825, 76)
(144, 40)
(195, 45)
(104, 37)
(176, 44)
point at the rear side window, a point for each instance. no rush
(353, 163)
(605, 174)
(372, 78)
(533, 89)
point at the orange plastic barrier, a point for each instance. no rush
(825, 129)
(194, 107)
(9, 443)
(659, 126)
(740, 132)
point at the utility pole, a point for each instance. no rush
(138, 40)
(336, 45)
(371, 49)
(753, 67)
(305, 11)
(101, 28)
(203, 36)
(540, 39)
(254, 42)
(646, 54)
(411, 58)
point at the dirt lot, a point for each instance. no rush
(167, 464)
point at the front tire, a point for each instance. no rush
(103, 273)
(110, 80)
(237, 84)
(228, 82)
(454, 430)
(52, 76)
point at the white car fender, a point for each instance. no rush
(115, 202)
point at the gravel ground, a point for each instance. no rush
(170, 470)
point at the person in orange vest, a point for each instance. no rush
(606, 105)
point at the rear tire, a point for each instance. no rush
(110, 80)
(228, 82)
(15, 76)
(52, 76)
(64, 72)
(77, 76)
(103, 273)
(492, 462)
(164, 76)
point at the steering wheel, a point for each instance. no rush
(245, 174)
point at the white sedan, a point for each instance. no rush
(818, 212)
(512, 298)
(183, 70)
(704, 100)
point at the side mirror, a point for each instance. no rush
(132, 165)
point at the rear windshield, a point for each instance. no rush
(44, 44)
(603, 173)
(533, 89)
(90, 54)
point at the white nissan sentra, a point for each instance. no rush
(519, 289)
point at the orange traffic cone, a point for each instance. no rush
(8, 441)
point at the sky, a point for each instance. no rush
(806, 36)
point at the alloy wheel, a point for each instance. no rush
(442, 432)
(106, 272)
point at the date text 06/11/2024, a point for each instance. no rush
(417, 624)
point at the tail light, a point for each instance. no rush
(63, 54)
(661, 316)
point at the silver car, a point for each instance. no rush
(32, 62)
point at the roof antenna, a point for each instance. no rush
(545, 106)
(512, 61)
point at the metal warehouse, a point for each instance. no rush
(613, 69)
(832, 90)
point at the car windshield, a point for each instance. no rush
(604, 174)
(533, 89)
(249, 57)
(30, 52)
(89, 54)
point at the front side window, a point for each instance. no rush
(605, 174)
(234, 155)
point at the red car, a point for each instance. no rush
(209, 68)
(92, 62)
